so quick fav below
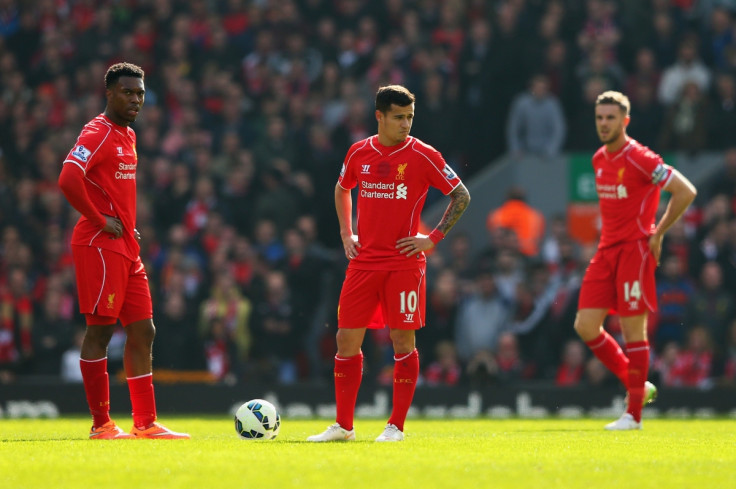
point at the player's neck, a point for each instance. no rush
(388, 142)
(115, 120)
(615, 146)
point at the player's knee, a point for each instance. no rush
(141, 333)
(403, 340)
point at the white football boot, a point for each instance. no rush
(334, 432)
(391, 433)
(625, 423)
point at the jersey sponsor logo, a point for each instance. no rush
(449, 174)
(611, 191)
(659, 174)
(366, 170)
(400, 171)
(81, 153)
(401, 191)
(621, 192)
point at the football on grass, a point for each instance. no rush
(257, 419)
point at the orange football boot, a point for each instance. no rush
(156, 430)
(108, 431)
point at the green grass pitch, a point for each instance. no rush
(552, 453)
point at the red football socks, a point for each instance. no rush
(97, 389)
(638, 352)
(348, 374)
(610, 354)
(406, 372)
(142, 399)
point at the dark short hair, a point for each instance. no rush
(393, 94)
(122, 69)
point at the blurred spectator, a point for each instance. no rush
(647, 115)
(687, 69)
(225, 319)
(445, 369)
(481, 319)
(53, 333)
(516, 214)
(508, 359)
(16, 324)
(277, 338)
(691, 365)
(728, 359)
(722, 116)
(442, 305)
(572, 368)
(712, 306)
(69, 369)
(686, 121)
(536, 123)
(674, 290)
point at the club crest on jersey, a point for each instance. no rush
(110, 301)
(81, 153)
(621, 174)
(400, 171)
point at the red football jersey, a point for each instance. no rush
(392, 187)
(628, 183)
(106, 154)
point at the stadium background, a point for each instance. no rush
(250, 108)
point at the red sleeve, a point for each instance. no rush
(71, 182)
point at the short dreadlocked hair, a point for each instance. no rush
(122, 69)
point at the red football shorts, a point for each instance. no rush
(111, 287)
(621, 278)
(376, 298)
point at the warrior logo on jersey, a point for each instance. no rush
(81, 153)
(449, 174)
(400, 171)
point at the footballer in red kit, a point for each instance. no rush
(620, 276)
(385, 284)
(98, 179)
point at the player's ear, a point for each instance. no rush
(379, 115)
(627, 119)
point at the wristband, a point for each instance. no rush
(436, 236)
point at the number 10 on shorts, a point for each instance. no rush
(408, 301)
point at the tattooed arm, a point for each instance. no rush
(459, 200)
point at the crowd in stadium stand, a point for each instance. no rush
(250, 108)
